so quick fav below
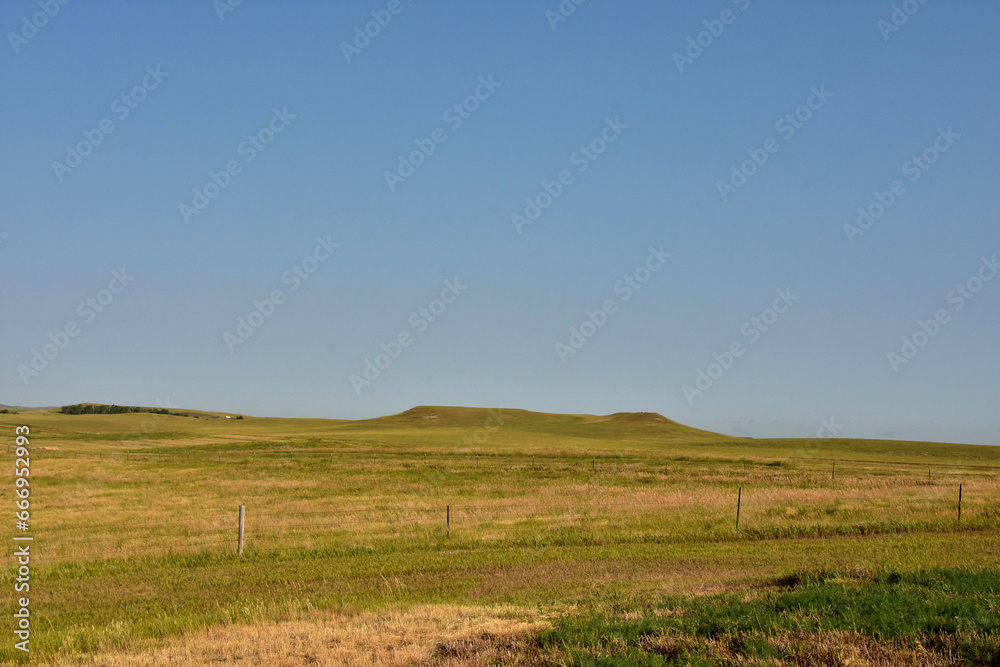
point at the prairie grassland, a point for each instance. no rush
(135, 526)
(90, 508)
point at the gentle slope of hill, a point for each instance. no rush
(461, 429)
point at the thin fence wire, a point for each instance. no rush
(489, 463)
(267, 528)
(150, 536)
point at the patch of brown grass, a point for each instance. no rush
(440, 635)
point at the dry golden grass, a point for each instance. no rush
(127, 509)
(425, 635)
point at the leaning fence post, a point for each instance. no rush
(739, 497)
(447, 519)
(959, 502)
(239, 543)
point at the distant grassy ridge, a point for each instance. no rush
(498, 431)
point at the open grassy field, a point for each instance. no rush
(465, 536)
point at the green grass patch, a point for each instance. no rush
(957, 610)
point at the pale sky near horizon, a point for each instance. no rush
(646, 206)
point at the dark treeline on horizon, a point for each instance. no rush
(91, 409)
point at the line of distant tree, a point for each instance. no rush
(92, 409)
(5, 411)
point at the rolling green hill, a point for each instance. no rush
(475, 430)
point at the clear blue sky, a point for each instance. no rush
(659, 133)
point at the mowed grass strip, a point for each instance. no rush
(116, 604)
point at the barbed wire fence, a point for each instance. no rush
(425, 524)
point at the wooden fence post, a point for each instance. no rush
(833, 475)
(239, 543)
(447, 519)
(959, 502)
(593, 464)
(739, 497)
